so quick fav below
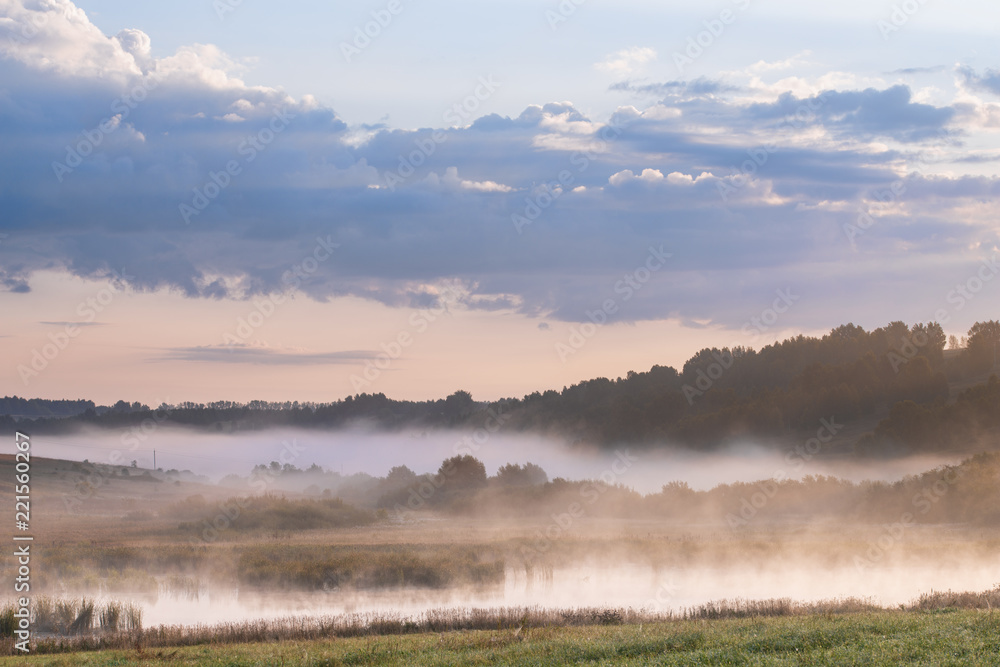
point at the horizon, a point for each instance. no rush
(676, 366)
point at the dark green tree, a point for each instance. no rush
(463, 473)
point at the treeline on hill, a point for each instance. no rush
(783, 389)
(939, 426)
(966, 493)
(34, 408)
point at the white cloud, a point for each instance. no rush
(137, 44)
(57, 36)
(452, 180)
(627, 61)
(798, 60)
(656, 176)
(205, 65)
(450, 216)
(661, 112)
(486, 186)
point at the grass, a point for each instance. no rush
(310, 567)
(948, 637)
(69, 627)
(98, 569)
(266, 513)
(75, 616)
(157, 550)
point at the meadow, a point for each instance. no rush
(133, 571)
(946, 637)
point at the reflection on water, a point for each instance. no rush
(579, 586)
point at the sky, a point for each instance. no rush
(231, 200)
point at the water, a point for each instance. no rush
(635, 586)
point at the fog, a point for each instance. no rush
(666, 555)
(627, 585)
(374, 453)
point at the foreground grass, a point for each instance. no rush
(947, 637)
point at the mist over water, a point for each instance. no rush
(806, 562)
(627, 585)
(375, 453)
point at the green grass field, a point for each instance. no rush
(943, 637)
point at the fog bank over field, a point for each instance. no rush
(189, 553)
(375, 453)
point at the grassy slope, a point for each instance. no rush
(887, 638)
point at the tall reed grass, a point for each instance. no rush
(75, 616)
(85, 625)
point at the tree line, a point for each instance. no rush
(899, 371)
(964, 493)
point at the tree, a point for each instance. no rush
(529, 474)
(931, 340)
(463, 473)
(400, 476)
(459, 405)
(984, 343)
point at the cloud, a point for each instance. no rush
(920, 70)
(260, 355)
(772, 66)
(452, 180)
(74, 324)
(56, 36)
(988, 81)
(486, 186)
(980, 158)
(626, 175)
(650, 176)
(627, 61)
(863, 114)
(702, 86)
(597, 192)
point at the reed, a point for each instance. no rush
(119, 624)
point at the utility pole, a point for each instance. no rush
(154, 460)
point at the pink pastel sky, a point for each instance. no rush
(131, 350)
